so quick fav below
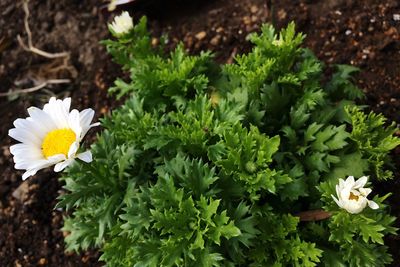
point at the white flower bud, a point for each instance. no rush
(122, 24)
(352, 196)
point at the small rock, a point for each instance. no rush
(282, 14)
(396, 17)
(337, 12)
(42, 261)
(201, 35)
(154, 41)
(215, 40)
(60, 17)
(246, 20)
(253, 9)
(21, 193)
(219, 30)
(348, 32)
(6, 151)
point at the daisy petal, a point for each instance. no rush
(26, 151)
(24, 136)
(29, 124)
(62, 165)
(67, 104)
(72, 149)
(85, 156)
(41, 119)
(56, 109)
(74, 123)
(29, 173)
(86, 117)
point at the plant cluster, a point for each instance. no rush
(214, 165)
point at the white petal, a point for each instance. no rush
(34, 166)
(344, 194)
(67, 103)
(337, 201)
(56, 158)
(85, 156)
(62, 165)
(56, 109)
(27, 151)
(72, 149)
(25, 136)
(30, 125)
(42, 119)
(341, 183)
(86, 117)
(338, 190)
(360, 182)
(373, 205)
(74, 123)
(365, 191)
(29, 173)
(349, 181)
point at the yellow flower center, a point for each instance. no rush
(58, 142)
(353, 197)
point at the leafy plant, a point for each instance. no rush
(208, 165)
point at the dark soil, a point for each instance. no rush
(363, 33)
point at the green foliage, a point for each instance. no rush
(208, 165)
(373, 139)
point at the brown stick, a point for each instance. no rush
(313, 215)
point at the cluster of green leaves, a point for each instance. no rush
(208, 165)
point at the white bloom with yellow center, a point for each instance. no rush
(50, 137)
(122, 24)
(352, 196)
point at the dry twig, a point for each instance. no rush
(30, 46)
(35, 88)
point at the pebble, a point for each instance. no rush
(246, 20)
(348, 32)
(21, 192)
(154, 41)
(219, 30)
(396, 17)
(42, 261)
(215, 40)
(201, 35)
(253, 9)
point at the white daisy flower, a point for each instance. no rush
(50, 137)
(122, 24)
(352, 196)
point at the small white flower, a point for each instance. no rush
(122, 24)
(352, 196)
(50, 137)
